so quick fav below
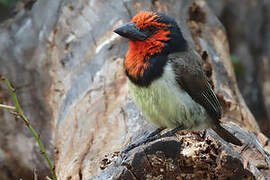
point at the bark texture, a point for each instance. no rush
(66, 64)
(247, 29)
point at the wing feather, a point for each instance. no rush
(193, 80)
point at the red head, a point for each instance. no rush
(150, 34)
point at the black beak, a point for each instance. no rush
(131, 32)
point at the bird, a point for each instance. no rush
(165, 77)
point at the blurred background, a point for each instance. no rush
(247, 23)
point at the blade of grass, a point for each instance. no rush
(12, 108)
(12, 92)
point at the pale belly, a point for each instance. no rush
(165, 104)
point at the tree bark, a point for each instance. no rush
(247, 29)
(66, 64)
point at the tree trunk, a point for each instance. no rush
(247, 28)
(66, 64)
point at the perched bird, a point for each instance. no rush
(166, 80)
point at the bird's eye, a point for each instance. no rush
(149, 30)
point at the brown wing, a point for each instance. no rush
(192, 79)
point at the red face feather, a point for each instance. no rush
(139, 51)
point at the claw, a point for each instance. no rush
(150, 138)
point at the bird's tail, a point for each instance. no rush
(226, 135)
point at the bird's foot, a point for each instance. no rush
(150, 138)
(171, 132)
(142, 140)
